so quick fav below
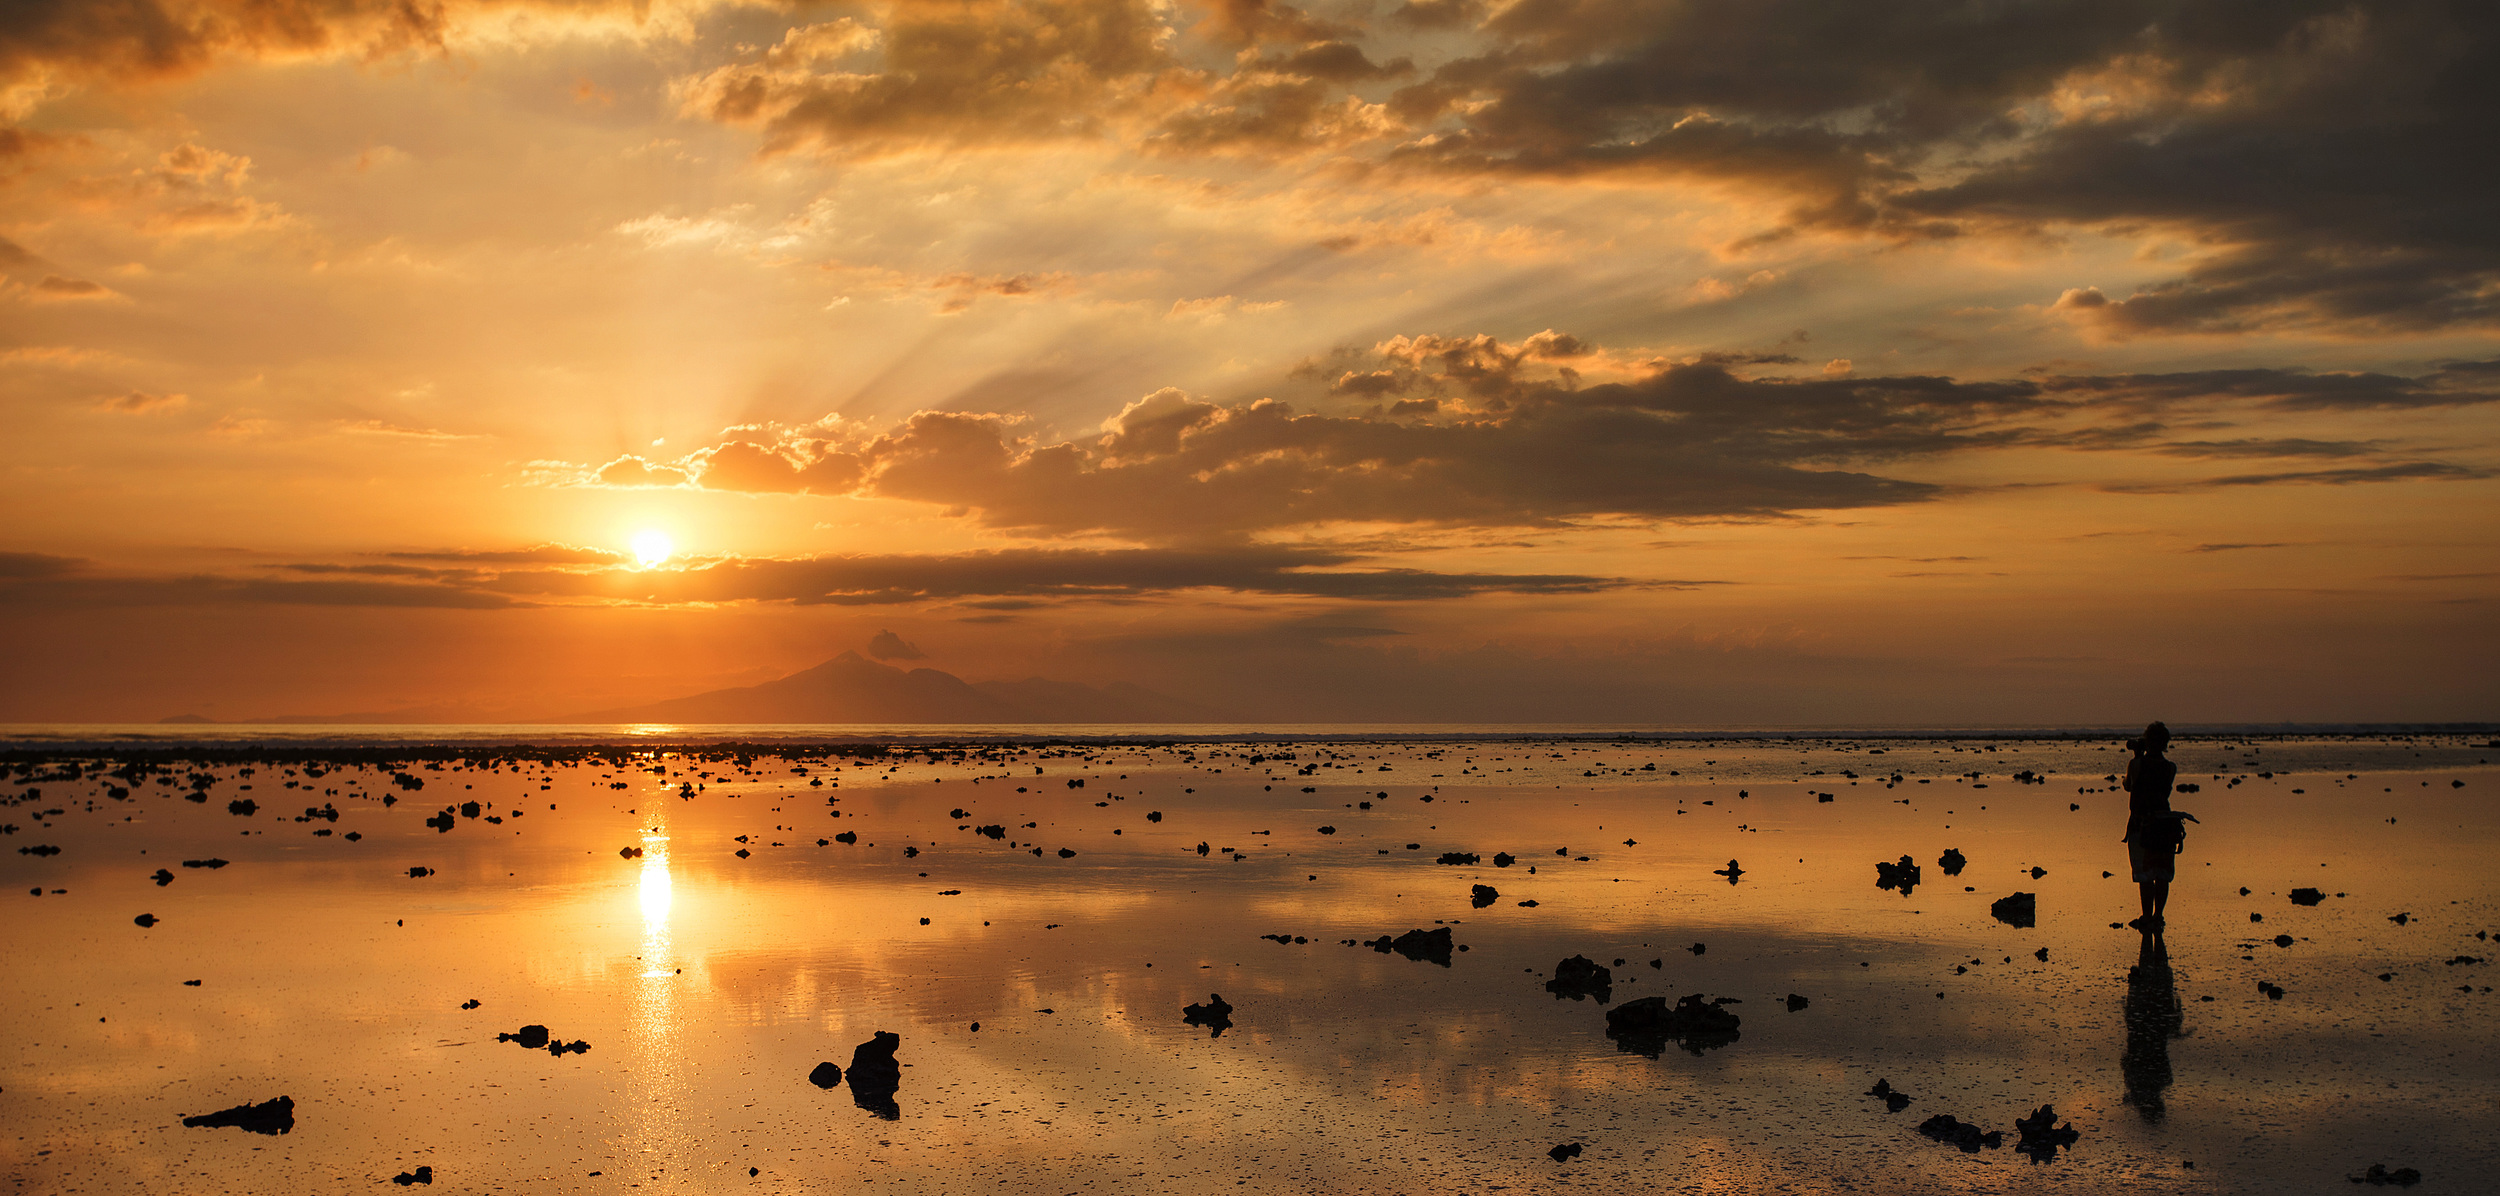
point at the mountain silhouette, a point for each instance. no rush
(850, 688)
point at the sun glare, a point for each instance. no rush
(652, 546)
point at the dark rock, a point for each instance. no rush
(441, 822)
(827, 1075)
(420, 872)
(1328, 830)
(2037, 872)
(1895, 1100)
(530, 1037)
(243, 807)
(144, 921)
(1944, 1127)
(1580, 976)
(1699, 948)
(874, 1076)
(2283, 940)
(271, 1117)
(2019, 911)
(1903, 876)
(1564, 1153)
(1066, 854)
(2307, 896)
(162, 878)
(1796, 1003)
(1483, 895)
(1422, 946)
(2400, 919)
(422, 1175)
(2041, 1135)
(2273, 991)
(629, 853)
(2378, 1176)
(1646, 1026)
(1503, 859)
(1952, 861)
(207, 863)
(1216, 1015)
(1733, 872)
(1457, 857)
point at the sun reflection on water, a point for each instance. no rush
(658, 894)
(659, 1088)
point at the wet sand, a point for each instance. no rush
(676, 912)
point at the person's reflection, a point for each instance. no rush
(2154, 1017)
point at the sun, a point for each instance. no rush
(652, 546)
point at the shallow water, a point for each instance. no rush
(708, 985)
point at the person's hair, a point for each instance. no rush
(2156, 736)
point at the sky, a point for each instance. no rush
(1696, 362)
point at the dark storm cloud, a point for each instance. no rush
(373, 570)
(1040, 575)
(544, 554)
(1476, 432)
(84, 591)
(2452, 384)
(1689, 441)
(2325, 160)
(888, 646)
(15, 257)
(1003, 580)
(986, 71)
(137, 40)
(2400, 471)
(2269, 447)
(15, 566)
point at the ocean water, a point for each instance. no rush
(685, 907)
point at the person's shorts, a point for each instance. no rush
(2156, 861)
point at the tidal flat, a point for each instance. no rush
(373, 932)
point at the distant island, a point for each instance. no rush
(849, 688)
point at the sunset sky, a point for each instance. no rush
(1622, 361)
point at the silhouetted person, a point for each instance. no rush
(2155, 832)
(2154, 1017)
